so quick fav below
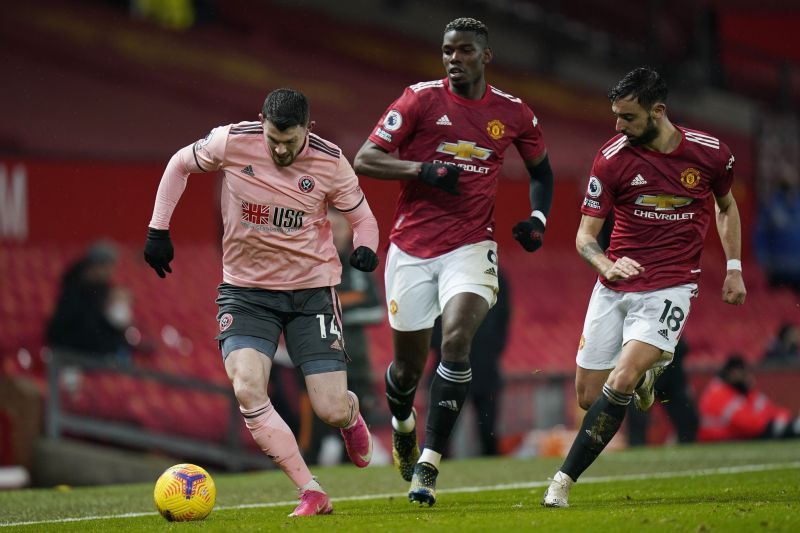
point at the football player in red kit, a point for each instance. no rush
(657, 177)
(450, 136)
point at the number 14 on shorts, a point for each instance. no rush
(333, 330)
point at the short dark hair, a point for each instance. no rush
(644, 84)
(286, 108)
(469, 24)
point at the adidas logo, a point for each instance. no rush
(639, 180)
(491, 271)
(336, 345)
(663, 333)
(449, 404)
(249, 171)
(444, 121)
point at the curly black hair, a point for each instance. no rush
(469, 24)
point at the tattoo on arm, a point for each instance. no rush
(591, 250)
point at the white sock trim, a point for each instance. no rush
(430, 456)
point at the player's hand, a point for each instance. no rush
(364, 259)
(440, 175)
(529, 233)
(733, 291)
(623, 268)
(158, 251)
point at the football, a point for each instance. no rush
(185, 492)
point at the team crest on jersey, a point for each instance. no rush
(306, 183)
(225, 321)
(495, 129)
(595, 188)
(690, 178)
(393, 307)
(393, 120)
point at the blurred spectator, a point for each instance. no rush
(93, 314)
(731, 408)
(784, 348)
(672, 390)
(487, 348)
(361, 306)
(777, 239)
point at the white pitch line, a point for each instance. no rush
(459, 490)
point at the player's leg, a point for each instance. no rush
(589, 385)
(316, 346)
(603, 419)
(248, 341)
(468, 287)
(412, 300)
(645, 345)
(339, 407)
(600, 344)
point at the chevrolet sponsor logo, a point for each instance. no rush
(464, 151)
(663, 202)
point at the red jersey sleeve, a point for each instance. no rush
(724, 179)
(397, 122)
(530, 141)
(599, 198)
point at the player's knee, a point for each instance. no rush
(587, 393)
(249, 392)
(586, 400)
(624, 379)
(406, 375)
(334, 413)
(456, 345)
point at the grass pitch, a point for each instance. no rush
(704, 488)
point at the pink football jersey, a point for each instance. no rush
(429, 123)
(661, 203)
(276, 232)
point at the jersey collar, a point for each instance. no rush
(466, 101)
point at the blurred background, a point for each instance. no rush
(97, 95)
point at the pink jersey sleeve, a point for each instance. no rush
(348, 198)
(599, 198)
(397, 122)
(364, 225)
(530, 141)
(209, 152)
(203, 156)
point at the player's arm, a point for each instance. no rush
(202, 156)
(588, 248)
(730, 234)
(365, 236)
(530, 233)
(374, 161)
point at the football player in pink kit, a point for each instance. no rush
(279, 267)
(657, 177)
(451, 135)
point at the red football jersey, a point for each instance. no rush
(661, 204)
(429, 123)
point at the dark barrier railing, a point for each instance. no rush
(230, 455)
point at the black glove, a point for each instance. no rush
(440, 175)
(529, 233)
(158, 251)
(364, 259)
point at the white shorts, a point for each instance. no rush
(418, 289)
(616, 317)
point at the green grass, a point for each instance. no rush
(689, 488)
